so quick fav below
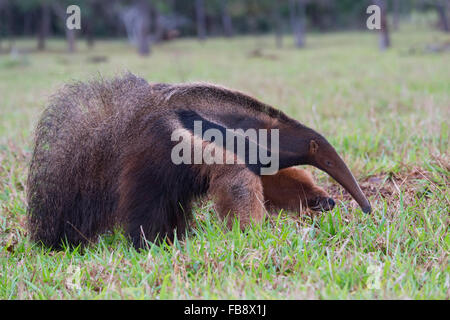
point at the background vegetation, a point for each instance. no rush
(386, 112)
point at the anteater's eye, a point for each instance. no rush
(328, 163)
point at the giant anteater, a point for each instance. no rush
(102, 157)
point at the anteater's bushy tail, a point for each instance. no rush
(75, 151)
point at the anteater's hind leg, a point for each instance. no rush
(156, 203)
(157, 219)
(237, 192)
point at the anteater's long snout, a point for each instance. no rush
(346, 179)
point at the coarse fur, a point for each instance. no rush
(102, 157)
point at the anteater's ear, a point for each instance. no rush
(313, 147)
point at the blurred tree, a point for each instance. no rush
(137, 23)
(395, 13)
(2, 3)
(143, 27)
(60, 7)
(278, 23)
(297, 17)
(226, 19)
(156, 20)
(385, 41)
(442, 7)
(44, 24)
(9, 23)
(91, 13)
(200, 19)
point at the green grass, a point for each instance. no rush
(387, 114)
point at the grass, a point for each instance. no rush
(387, 114)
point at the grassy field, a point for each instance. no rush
(387, 114)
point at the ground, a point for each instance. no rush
(387, 114)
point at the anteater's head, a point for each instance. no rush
(322, 155)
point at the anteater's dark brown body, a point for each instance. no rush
(102, 157)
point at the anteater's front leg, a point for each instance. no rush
(294, 189)
(237, 192)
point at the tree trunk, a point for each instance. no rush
(278, 25)
(158, 25)
(143, 29)
(2, 18)
(385, 40)
(396, 8)
(89, 30)
(70, 37)
(60, 11)
(200, 15)
(441, 8)
(44, 26)
(297, 17)
(226, 19)
(89, 21)
(90, 38)
(9, 26)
